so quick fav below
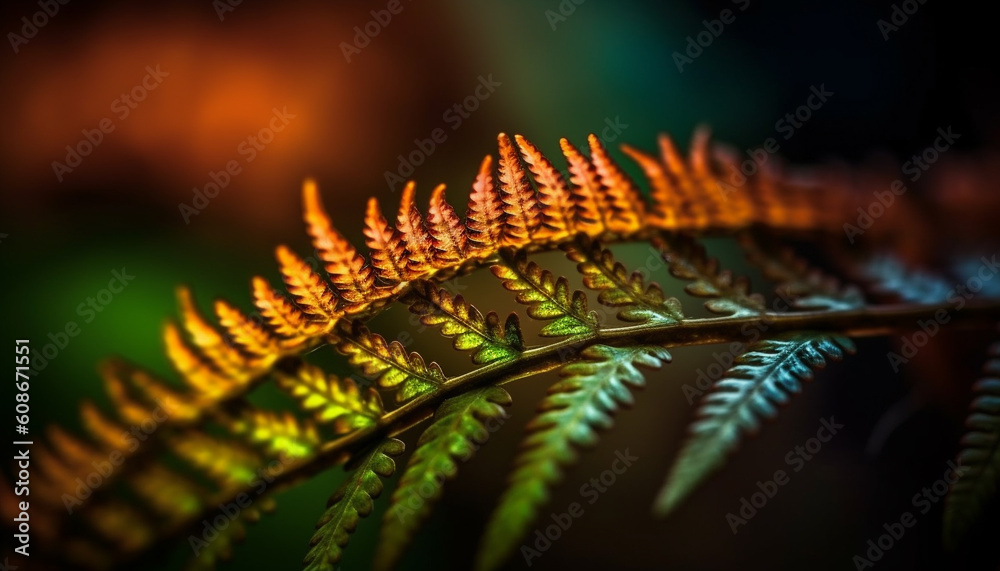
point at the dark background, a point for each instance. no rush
(607, 60)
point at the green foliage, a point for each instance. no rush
(279, 435)
(796, 280)
(761, 378)
(209, 554)
(486, 337)
(228, 464)
(979, 459)
(407, 373)
(461, 425)
(581, 403)
(352, 501)
(547, 298)
(730, 295)
(638, 302)
(215, 441)
(331, 400)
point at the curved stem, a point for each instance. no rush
(862, 322)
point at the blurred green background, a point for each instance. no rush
(603, 63)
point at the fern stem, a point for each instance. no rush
(862, 322)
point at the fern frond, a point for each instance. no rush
(761, 378)
(448, 237)
(581, 403)
(309, 289)
(461, 425)
(979, 459)
(419, 244)
(68, 456)
(386, 245)
(279, 435)
(522, 219)
(971, 265)
(488, 338)
(586, 191)
(888, 276)
(331, 400)
(285, 319)
(690, 203)
(407, 373)
(126, 406)
(558, 211)
(220, 354)
(794, 204)
(217, 436)
(347, 269)
(484, 213)
(623, 202)
(688, 261)
(715, 197)
(807, 287)
(197, 373)
(227, 464)
(169, 494)
(352, 501)
(252, 338)
(220, 549)
(547, 298)
(154, 392)
(121, 524)
(638, 302)
(666, 208)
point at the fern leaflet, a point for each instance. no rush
(979, 460)
(489, 340)
(352, 501)
(580, 404)
(547, 298)
(461, 425)
(762, 377)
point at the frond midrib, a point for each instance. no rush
(862, 322)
